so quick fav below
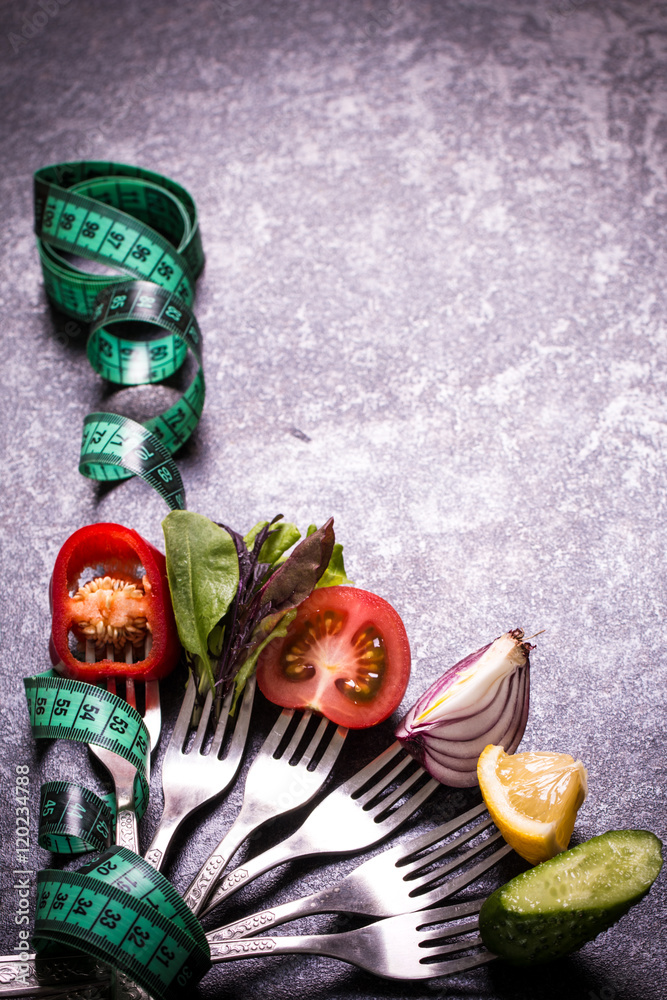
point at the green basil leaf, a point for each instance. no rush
(249, 539)
(272, 627)
(280, 538)
(335, 575)
(216, 639)
(278, 541)
(203, 572)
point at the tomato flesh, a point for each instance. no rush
(346, 655)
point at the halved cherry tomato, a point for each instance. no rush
(346, 655)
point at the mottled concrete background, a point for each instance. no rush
(433, 306)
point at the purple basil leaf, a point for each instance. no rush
(294, 581)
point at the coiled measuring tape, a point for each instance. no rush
(121, 910)
(140, 224)
(118, 909)
(61, 708)
(73, 819)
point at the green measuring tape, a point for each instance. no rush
(139, 224)
(121, 910)
(118, 909)
(60, 708)
(73, 819)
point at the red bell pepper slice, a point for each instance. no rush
(124, 597)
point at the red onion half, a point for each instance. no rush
(480, 700)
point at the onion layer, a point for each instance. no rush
(482, 699)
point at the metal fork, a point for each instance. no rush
(397, 947)
(348, 819)
(395, 881)
(122, 772)
(191, 779)
(388, 884)
(276, 784)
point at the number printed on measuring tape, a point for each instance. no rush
(61, 708)
(143, 227)
(73, 819)
(121, 910)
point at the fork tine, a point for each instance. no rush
(221, 726)
(445, 932)
(452, 947)
(277, 731)
(314, 743)
(237, 745)
(330, 755)
(130, 693)
(203, 722)
(293, 744)
(361, 778)
(394, 819)
(153, 714)
(382, 783)
(397, 793)
(180, 730)
(418, 844)
(438, 852)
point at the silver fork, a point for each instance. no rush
(348, 819)
(395, 881)
(191, 779)
(397, 947)
(387, 884)
(276, 784)
(122, 772)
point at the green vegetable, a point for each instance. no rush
(234, 594)
(334, 575)
(557, 906)
(203, 572)
(294, 580)
(272, 627)
(280, 538)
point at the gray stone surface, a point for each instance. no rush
(433, 307)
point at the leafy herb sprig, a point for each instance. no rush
(233, 594)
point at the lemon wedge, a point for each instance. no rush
(533, 798)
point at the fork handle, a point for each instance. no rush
(211, 871)
(127, 830)
(295, 846)
(329, 900)
(332, 945)
(159, 845)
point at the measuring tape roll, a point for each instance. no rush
(73, 819)
(61, 708)
(115, 447)
(140, 224)
(122, 911)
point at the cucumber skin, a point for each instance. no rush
(534, 938)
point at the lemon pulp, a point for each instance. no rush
(533, 798)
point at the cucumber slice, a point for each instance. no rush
(556, 907)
